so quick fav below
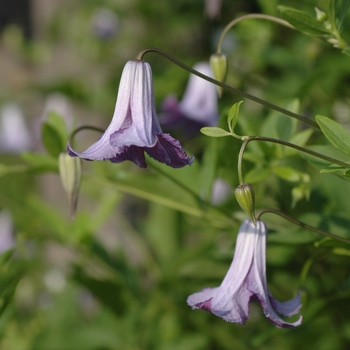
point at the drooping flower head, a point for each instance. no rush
(134, 127)
(198, 106)
(246, 280)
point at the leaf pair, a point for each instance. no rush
(232, 119)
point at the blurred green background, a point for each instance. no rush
(118, 276)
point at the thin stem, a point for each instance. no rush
(240, 160)
(301, 224)
(222, 221)
(85, 127)
(251, 15)
(192, 193)
(284, 143)
(228, 87)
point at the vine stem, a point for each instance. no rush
(251, 15)
(284, 143)
(85, 127)
(301, 224)
(227, 87)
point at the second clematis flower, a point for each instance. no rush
(198, 106)
(134, 128)
(244, 281)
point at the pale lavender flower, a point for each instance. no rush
(198, 106)
(212, 8)
(14, 134)
(221, 191)
(246, 280)
(134, 127)
(104, 23)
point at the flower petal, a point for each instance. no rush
(132, 153)
(256, 282)
(202, 299)
(169, 151)
(286, 308)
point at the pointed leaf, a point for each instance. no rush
(54, 134)
(214, 131)
(287, 173)
(335, 133)
(303, 22)
(233, 116)
(51, 140)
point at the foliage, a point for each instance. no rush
(142, 240)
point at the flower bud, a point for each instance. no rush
(245, 197)
(70, 174)
(218, 64)
(320, 15)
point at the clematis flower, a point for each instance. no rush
(134, 127)
(198, 106)
(244, 281)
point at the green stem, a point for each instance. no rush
(228, 87)
(251, 15)
(86, 127)
(284, 143)
(220, 221)
(202, 203)
(308, 264)
(240, 160)
(301, 224)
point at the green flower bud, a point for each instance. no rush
(320, 15)
(70, 174)
(245, 197)
(218, 63)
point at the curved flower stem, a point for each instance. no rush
(251, 15)
(284, 143)
(301, 224)
(228, 87)
(85, 127)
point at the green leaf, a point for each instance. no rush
(327, 150)
(335, 169)
(335, 133)
(51, 140)
(341, 11)
(233, 116)
(257, 175)
(54, 134)
(214, 131)
(346, 52)
(59, 124)
(287, 173)
(40, 162)
(303, 22)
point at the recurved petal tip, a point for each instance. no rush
(169, 151)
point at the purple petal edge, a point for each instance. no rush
(169, 151)
(133, 153)
(286, 308)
